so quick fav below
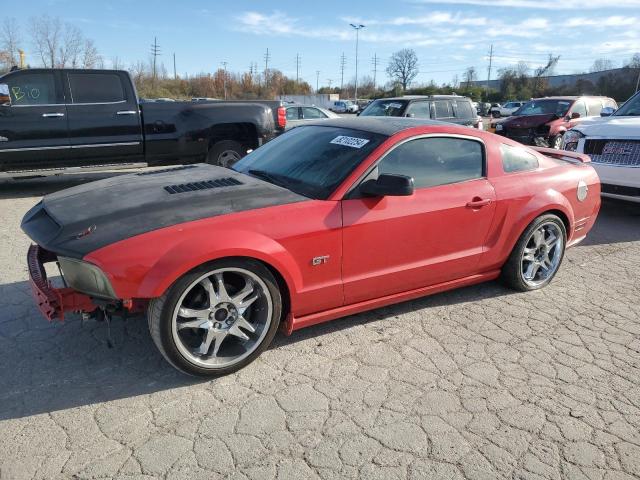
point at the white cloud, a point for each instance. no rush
(542, 4)
(613, 21)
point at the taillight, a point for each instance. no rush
(282, 117)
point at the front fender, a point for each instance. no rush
(196, 250)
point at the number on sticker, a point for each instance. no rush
(352, 142)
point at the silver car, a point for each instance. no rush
(301, 114)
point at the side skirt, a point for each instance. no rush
(292, 323)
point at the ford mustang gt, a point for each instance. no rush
(324, 221)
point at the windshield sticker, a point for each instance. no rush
(394, 105)
(352, 142)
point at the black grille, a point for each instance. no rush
(204, 185)
(620, 190)
(165, 170)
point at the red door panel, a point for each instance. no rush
(395, 244)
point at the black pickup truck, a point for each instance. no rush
(57, 121)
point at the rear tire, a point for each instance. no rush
(206, 330)
(225, 153)
(535, 259)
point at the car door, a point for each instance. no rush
(33, 125)
(104, 118)
(396, 244)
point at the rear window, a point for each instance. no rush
(516, 159)
(96, 88)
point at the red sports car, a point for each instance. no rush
(324, 221)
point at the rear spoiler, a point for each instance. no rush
(563, 154)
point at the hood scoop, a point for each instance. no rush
(204, 185)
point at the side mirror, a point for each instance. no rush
(575, 115)
(410, 115)
(388, 185)
(607, 111)
(5, 98)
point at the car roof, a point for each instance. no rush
(380, 125)
(421, 97)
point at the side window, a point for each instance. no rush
(463, 109)
(435, 161)
(32, 89)
(580, 108)
(443, 109)
(515, 159)
(96, 88)
(419, 109)
(310, 112)
(292, 113)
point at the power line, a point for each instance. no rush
(155, 52)
(374, 61)
(267, 56)
(343, 62)
(489, 73)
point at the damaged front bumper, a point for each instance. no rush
(53, 302)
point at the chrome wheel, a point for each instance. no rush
(228, 157)
(557, 142)
(542, 254)
(222, 317)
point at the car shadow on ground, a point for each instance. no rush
(618, 222)
(48, 367)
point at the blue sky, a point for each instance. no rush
(447, 35)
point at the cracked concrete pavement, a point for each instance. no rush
(478, 383)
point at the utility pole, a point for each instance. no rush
(329, 81)
(224, 80)
(155, 51)
(267, 56)
(489, 74)
(343, 61)
(357, 27)
(317, 79)
(297, 67)
(175, 73)
(375, 61)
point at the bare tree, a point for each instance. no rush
(635, 61)
(61, 45)
(10, 41)
(470, 75)
(46, 33)
(403, 67)
(601, 64)
(544, 71)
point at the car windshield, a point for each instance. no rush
(631, 107)
(545, 107)
(384, 108)
(310, 160)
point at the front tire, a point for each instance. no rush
(556, 142)
(217, 318)
(537, 255)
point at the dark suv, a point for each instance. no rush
(447, 108)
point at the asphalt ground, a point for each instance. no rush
(477, 383)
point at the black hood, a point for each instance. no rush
(529, 121)
(81, 219)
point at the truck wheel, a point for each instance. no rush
(225, 153)
(537, 256)
(217, 318)
(495, 114)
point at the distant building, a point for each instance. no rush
(324, 100)
(562, 80)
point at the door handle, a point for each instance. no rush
(126, 112)
(478, 202)
(52, 115)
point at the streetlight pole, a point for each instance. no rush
(357, 27)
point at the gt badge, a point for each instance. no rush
(87, 231)
(319, 260)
